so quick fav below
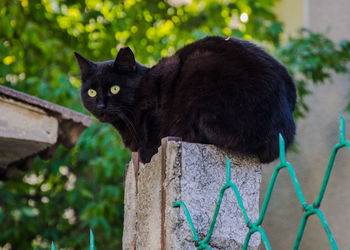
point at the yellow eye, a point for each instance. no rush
(115, 89)
(92, 92)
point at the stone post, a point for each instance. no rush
(192, 173)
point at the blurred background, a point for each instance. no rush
(61, 198)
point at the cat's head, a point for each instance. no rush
(109, 88)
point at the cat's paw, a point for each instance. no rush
(146, 154)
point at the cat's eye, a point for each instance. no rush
(115, 89)
(92, 92)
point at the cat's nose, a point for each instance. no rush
(101, 105)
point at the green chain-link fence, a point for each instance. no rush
(309, 209)
(92, 242)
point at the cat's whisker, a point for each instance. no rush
(131, 127)
(129, 124)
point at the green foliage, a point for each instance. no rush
(60, 199)
(312, 57)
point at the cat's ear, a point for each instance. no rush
(125, 60)
(86, 66)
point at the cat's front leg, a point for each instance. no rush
(128, 136)
(150, 137)
(130, 144)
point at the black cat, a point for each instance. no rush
(226, 92)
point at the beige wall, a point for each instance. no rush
(291, 13)
(315, 136)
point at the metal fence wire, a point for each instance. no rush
(309, 209)
(92, 242)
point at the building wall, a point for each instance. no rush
(316, 135)
(291, 13)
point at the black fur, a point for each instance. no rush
(226, 92)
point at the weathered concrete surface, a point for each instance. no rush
(148, 209)
(130, 198)
(24, 130)
(193, 173)
(30, 126)
(54, 109)
(142, 204)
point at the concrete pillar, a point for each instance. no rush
(194, 174)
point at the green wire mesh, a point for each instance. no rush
(309, 209)
(92, 242)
